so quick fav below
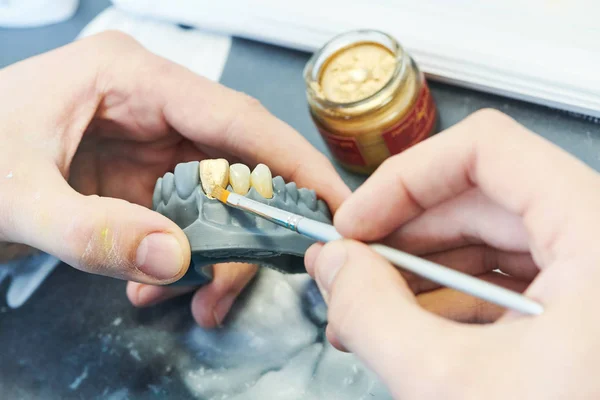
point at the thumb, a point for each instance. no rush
(99, 235)
(373, 313)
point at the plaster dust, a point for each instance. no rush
(269, 347)
(272, 347)
(79, 379)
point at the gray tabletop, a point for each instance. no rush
(47, 342)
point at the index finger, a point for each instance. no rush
(517, 169)
(211, 114)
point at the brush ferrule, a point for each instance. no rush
(292, 222)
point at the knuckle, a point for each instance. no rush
(246, 109)
(160, 67)
(388, 170)
(116, 40)
(489, 115)
(389, 164)
(490, 121)
(113, 53)
(108, 46)
(250, 105)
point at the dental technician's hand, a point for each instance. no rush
(88, 128)
(485, 195)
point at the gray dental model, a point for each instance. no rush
(219, 234)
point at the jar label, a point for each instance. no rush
(343, 148)
(415, 126)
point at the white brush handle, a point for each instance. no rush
(445, 276)
(318, 230)
(457, 280)
(434, 272)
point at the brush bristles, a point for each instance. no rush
(221, 194)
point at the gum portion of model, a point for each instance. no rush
(218, 233)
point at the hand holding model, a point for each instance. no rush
(87, 129)
(484, 195)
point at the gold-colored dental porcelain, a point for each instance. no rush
(357, 73)
(368, 99)
(214, 173)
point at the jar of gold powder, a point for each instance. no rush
(368, 99)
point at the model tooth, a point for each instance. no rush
(186, 178)
(239, 178)
(214, 173)
(262, 180)
(308, 197)
(168, 185)
(292, 191)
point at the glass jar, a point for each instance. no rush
(368, 99)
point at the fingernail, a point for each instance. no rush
(328, 264)
(159, 255)
(222, 308)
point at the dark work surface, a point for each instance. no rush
(82, 326)
(79, 338)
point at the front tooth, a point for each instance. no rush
(214, 173)
(262, 180)
(239, 178)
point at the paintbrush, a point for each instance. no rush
(444, 276)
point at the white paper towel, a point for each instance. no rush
(543, 51)
(202, 52)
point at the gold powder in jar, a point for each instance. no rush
(368, 99)
(357, 73)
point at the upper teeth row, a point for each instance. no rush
(217, 172)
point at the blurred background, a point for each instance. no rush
(540, 51)
(534, 60)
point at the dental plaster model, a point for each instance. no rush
(219, 234)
